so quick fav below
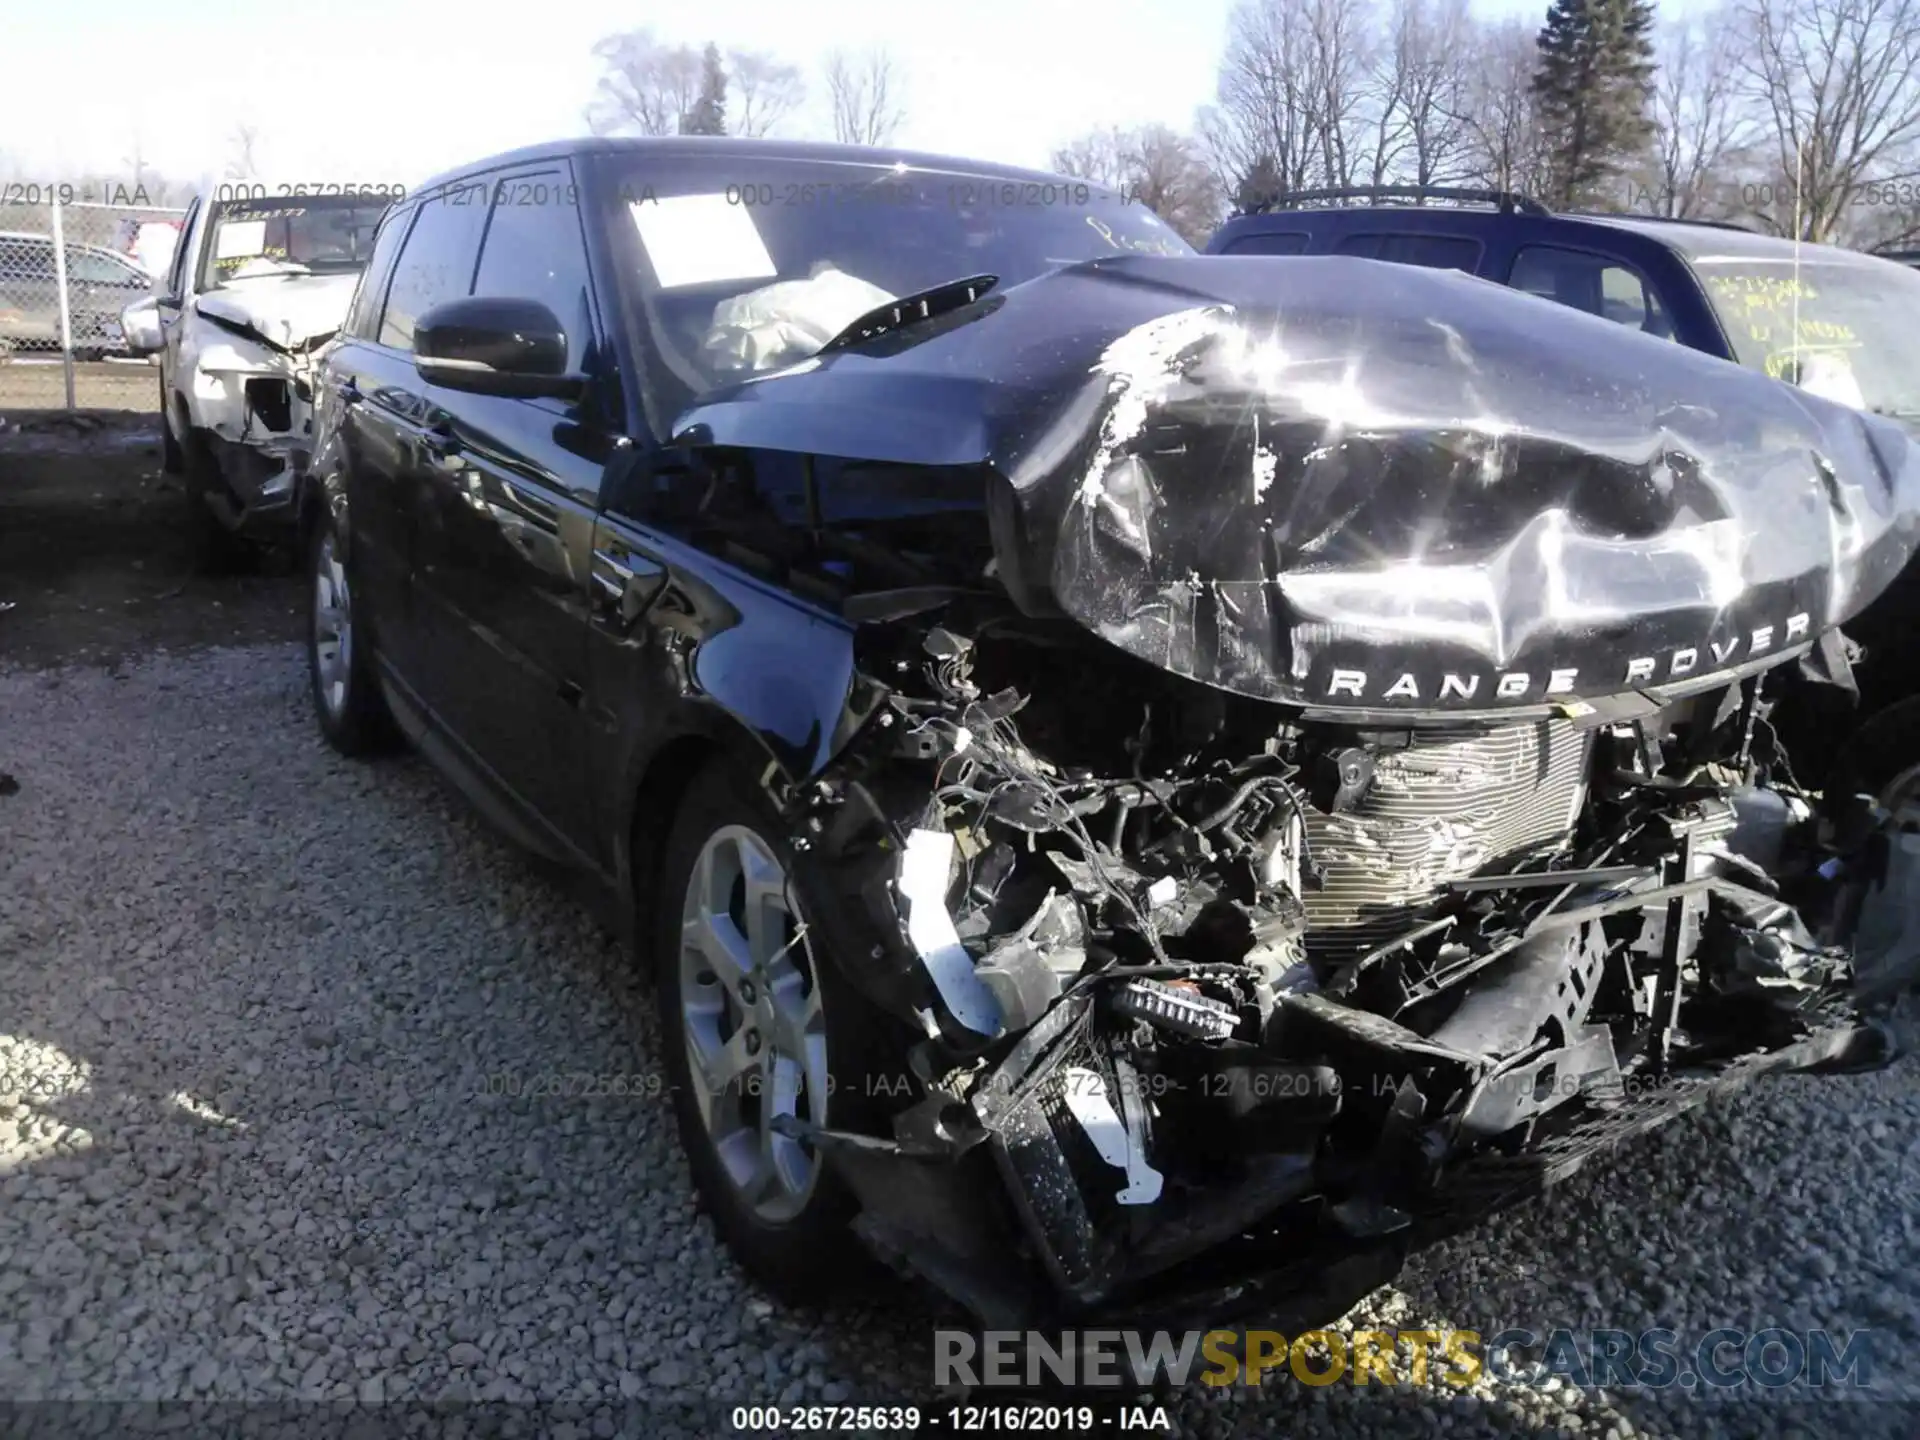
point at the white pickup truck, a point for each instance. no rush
(259, 283)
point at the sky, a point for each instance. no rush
(353, 91)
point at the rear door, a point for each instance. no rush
(507, 498)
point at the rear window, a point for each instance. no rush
(1435, 252)
(1847, 330)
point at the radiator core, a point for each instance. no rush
(1450, 806)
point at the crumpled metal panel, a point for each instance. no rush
(1359, 485)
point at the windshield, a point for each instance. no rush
(305, 235)
(1847, 330)
(749, 266)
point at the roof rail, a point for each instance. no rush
(1506, 200)
(1663, 219)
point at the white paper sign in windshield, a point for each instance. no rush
(240, 237)
(699, 240)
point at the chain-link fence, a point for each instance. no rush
(67, 270)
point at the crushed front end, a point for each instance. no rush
(1216, 999)
(252, 353)
(1350, 795)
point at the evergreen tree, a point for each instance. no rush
(709, 113)
(1260, 185)
(1594, 85)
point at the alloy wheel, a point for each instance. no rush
(332, 627)
(751, 1014)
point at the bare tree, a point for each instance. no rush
(1264, 109)
(1100, 156)
(1157, 166)
(863, 90)
(1171, 176)
(649, 88)
(1506, 142)
(1340, 50)
(1706, 126)
(765, 90)
(241, 164)
(1839, 80)
(1418, 93)
(1344, 92)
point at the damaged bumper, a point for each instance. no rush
(1221, 1010)
(252, 395)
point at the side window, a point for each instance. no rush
(1288, 242)
(533, 251)
(87, 267)
(1593, 283)
(182, 248)
(1435, 252)
(436, 263)
(364, 317)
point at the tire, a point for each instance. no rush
(790, 1234)
(347, 702)
(213, 548)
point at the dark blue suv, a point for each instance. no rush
(1841, 323)
(1712, 287)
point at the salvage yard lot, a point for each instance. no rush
(310, 1087)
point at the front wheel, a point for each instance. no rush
(215, 550)
(759, 1027)
(347, 701)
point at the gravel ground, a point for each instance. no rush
(251, 996)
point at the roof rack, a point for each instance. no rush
(1506, 200)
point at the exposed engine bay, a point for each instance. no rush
(1206, 987)
(1328, 785)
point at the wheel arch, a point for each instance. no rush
(663, 783)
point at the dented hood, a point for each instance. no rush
(1360, 486)
(288, 312)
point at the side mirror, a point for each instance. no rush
(140, 325)
(494, 347)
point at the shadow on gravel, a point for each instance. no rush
(93, 562)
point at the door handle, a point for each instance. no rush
(611, 576)
(623, 584)
(442, 447)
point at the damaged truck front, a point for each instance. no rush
(1325, 790)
